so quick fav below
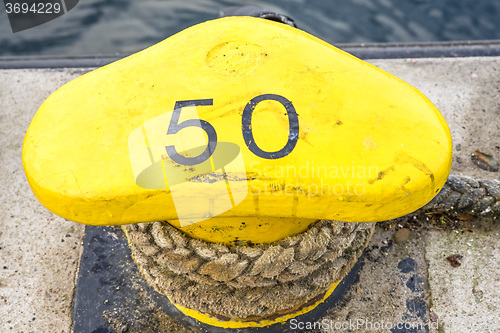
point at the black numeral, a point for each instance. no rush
(293, 121)
(175, 127)
(246, 122)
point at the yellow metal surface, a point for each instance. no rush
(280, 124)
(245, 230)
(210, 320)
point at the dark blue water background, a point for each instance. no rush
(119, 27)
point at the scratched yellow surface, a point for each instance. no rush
(370, 147)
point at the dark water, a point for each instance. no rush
(126, 26)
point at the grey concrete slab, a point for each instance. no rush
(436, 297)
(392, 293)
(466, 298)
(414, 286)
(467, 91)
(40, 252)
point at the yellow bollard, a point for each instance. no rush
(237, 131)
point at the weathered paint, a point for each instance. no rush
(303, 130)
(245, 230)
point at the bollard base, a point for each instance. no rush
(113, 296)
(263, 322)
(247, 283)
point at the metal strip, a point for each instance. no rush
(362, 51)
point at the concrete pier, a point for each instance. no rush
(398, 283)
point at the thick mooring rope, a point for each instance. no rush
(247, 282)
(267, 280)
(463, 195)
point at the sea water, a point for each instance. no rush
(120, 27)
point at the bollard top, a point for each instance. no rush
(234, 118)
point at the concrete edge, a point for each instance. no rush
(363, 51)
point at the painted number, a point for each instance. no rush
(293, 131)
(246, 122)
(175, 127)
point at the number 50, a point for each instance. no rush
(246, 124)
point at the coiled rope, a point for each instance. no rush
(264, 281)
(462, 195)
